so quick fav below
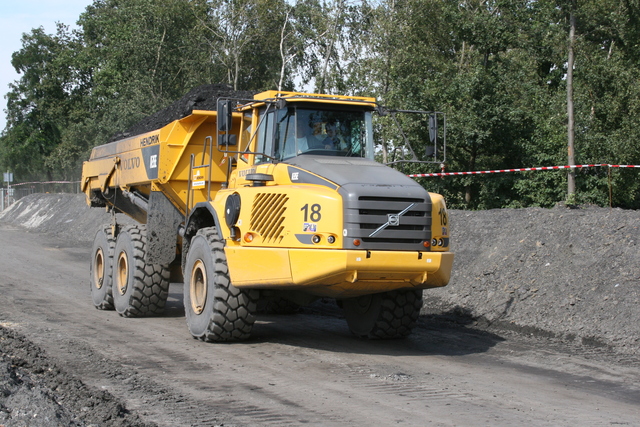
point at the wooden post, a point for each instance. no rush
(571, 178)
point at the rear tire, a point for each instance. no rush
(383, 316)
(101, 267)
(139, 289)
(216, 311)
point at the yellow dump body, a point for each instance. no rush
(160, 160)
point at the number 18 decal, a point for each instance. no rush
(443, 216)
(312, 214)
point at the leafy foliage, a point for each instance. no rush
(497, 68)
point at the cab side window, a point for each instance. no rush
(285, 137)
(265, 139)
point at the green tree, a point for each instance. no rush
(497, 68)
(243, 39)
(607, 100)
(142, 55)
(39, 103)
(464, 58)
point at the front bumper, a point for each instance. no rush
(337, 273)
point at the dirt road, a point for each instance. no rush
(303, 369)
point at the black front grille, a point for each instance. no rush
(387, 223)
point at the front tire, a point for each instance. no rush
(139, 289)
(386, 315)
(101, 267)
(216, 311)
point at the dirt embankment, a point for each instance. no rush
(569, 273)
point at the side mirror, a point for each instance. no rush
(432, 150)
(433, 128)
(224, 111)
(225, 122)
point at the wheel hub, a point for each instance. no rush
(122, 277)
(98, 269)
(198, 287)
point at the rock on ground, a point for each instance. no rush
(35, 392)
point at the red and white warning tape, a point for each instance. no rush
(426, 175)
(542, 168)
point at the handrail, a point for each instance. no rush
(208, 143)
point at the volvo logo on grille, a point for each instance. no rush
(392, 219)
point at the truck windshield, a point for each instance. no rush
(329, 132)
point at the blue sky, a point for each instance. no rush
(20, 16)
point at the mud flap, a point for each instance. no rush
(163, 220)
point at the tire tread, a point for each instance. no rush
(151, 284)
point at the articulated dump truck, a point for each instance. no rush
(270, 202)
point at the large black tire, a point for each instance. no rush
(139, 289)
(216, 311)
(101, 266)
(386, 315)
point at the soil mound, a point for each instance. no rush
(569, 273)
(203, 97)
(35, 392)
(66, 216)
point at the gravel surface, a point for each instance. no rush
(571, 274)
(35, 392)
